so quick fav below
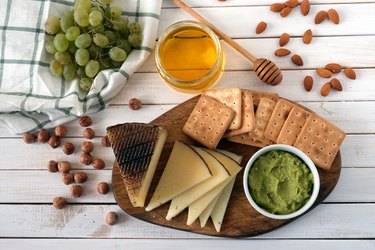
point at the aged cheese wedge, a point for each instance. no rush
(203, 217)
(137, 147)
(237, 158)
(219, 174)
(184, 170)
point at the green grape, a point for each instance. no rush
(52, 26)
(117, 54)
(105, 63)
(50, 47)
(105, 1)
(135, 40)
(72, 48)
(119, 23)
(93, 51)
(111, 36)
(124, 33)
(63, 57)
(81, 17)
(69, 71)
(134, 28)
(100, 40)
(80, 72)
(95, 18)
(66, 21)
(72, 33)
(56, 68)
(116, 64)
(60, 42)
(83, 41)
(82, 57)
(85, 84)
(82, 5)
(124, 44)
(97, 29)
(114, 12)
(92, 68)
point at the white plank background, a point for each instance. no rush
(345, 220)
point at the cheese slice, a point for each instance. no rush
(237, 158)
(203, 217)
(184, 170)
(219, 174)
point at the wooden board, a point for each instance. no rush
(241, 219)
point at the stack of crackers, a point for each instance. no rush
(260, 119)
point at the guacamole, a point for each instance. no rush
(280, 182)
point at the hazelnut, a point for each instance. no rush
(80, 177)
(64, 166)
(135, 104)
(54, 141)
(76, 191)
(105, 141)
(43, 136)
(28, 138)
(98, 164)
(59, 202)
(87, 147)
(111, 218)
(61, 131)
(52, 166)
(102, 188)
(88, 133)
(67, 178)
(86, 159)
(85, 121)
(68, 148)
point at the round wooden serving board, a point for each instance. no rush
(241, 219)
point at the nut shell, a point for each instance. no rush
(86, 159)
(135, 104)
(105, 141)
(43, 136)
(85, 121)
(52, 166)
(111, 218)
(87, 147)
(80, 177)
(54, 141)
(98, 163)
(67, 178)
(88, 133)
(64, 166)
(28, 138)
(76, 191)
(68, 148)
(59, 202)
(61, 131)
(102, 188)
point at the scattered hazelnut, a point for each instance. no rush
(98, 164)
(54, 141)
(102, 188)
(67, 178)
(61, 131)
(43, 136)
(111, 218)
(105, 141)
(86, 159)
(68, 148)
(80, 177)
(59, 202)
(52, 166)
(76, 191)
(135, 104)
(87, 147)
(88, 133)
(64, 166)
(85, 121)
(28, 138)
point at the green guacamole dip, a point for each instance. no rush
(280, 182)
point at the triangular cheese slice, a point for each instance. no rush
(237, 158)
(184, 170)
(203, 217)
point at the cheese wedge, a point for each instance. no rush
(219, 174)
(184, 170)
(203, 217)
(237, 158)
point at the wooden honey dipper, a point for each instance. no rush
(265, 69)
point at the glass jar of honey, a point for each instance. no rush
(189, 57)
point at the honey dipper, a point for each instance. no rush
(265, 69)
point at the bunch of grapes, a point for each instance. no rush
(93, 36)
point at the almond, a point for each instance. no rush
(305, 7)
(277, 7)
(326, 88)
(297, 60)
(291, 3)
(284, 39)
(282, 52)
(350, 73)
(308, 83)
(325, 73)
(336, 84)
(334, 67)
(333, 16)
(286, 11)
(262, 26)
(320, 16)
(307, 36)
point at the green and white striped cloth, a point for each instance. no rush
(30, 97)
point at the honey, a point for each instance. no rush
(189, 57)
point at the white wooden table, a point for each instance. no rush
(345, 220)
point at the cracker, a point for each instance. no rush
(246, 139)
(293, 126)
(278, 118)
(208, 121)
(230, 97)
(320, 140)
(258, 95)
(247, 115)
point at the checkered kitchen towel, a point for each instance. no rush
(30, 97)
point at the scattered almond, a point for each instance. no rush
(350, 73)
(333, 16)
(284, 39)
(307, 36)
(326, 88)
(320, 16)
(282, 52)
(325, 73)
(277, 7)
(261, 27)
(291, 3)
(305, 7)
(334, 67)
(308, 83)
(297, 60)
(285, 12)
(335, 84)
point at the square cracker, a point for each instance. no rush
(247, 115)
(278, 118)
(208, 121)
(230, 97)
(320, 140)
(258, 95)
(293, 126)
(247, 140)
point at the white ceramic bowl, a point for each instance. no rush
(304, 158)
